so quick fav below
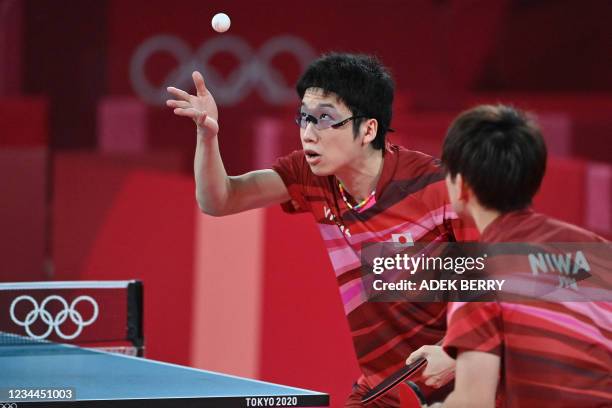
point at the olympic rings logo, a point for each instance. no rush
(9, 405)
(54, 323)
(254, 70)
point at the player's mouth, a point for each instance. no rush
(312, 157)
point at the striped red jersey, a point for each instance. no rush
(552, 354)
(410, 204)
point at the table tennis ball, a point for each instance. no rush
(221, 22)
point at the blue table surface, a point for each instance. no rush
(99, 375)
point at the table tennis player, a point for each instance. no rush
(358, 187)
(522, 354)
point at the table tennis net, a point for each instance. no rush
(105, 315)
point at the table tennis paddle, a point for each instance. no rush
(392, 381)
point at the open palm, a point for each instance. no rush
(201, 107)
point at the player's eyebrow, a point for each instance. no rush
(323, 105)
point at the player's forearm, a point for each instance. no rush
(458, 399)
(212, 182)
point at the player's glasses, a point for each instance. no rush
(302, 119)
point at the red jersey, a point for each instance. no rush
(411, 204)
(552, 354)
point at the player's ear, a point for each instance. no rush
(369, 127)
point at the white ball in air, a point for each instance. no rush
(221, 22)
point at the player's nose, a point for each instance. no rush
(309, 134)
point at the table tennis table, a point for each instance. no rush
(98, 379)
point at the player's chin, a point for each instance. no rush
(320, 170)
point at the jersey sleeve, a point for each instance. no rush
(293, 170)
(474, 326)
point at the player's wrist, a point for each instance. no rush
(205, 135)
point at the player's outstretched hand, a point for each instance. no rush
(440, 368)
(200, 107)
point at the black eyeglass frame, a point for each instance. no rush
(314, 120)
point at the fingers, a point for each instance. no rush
(198, 117)
(420, 353)
(189, 113)
(433, 382)
(201, 119)
(177, 104)
(179, 93)
(437, 381)
(198, 80)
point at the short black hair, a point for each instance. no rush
(361, 82)
(499, 152)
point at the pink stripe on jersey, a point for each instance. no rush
(351, 289)
(330, 232)
(344, 259)
(417, 228)
(351, 303)
(561, 319)
(594, 311)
